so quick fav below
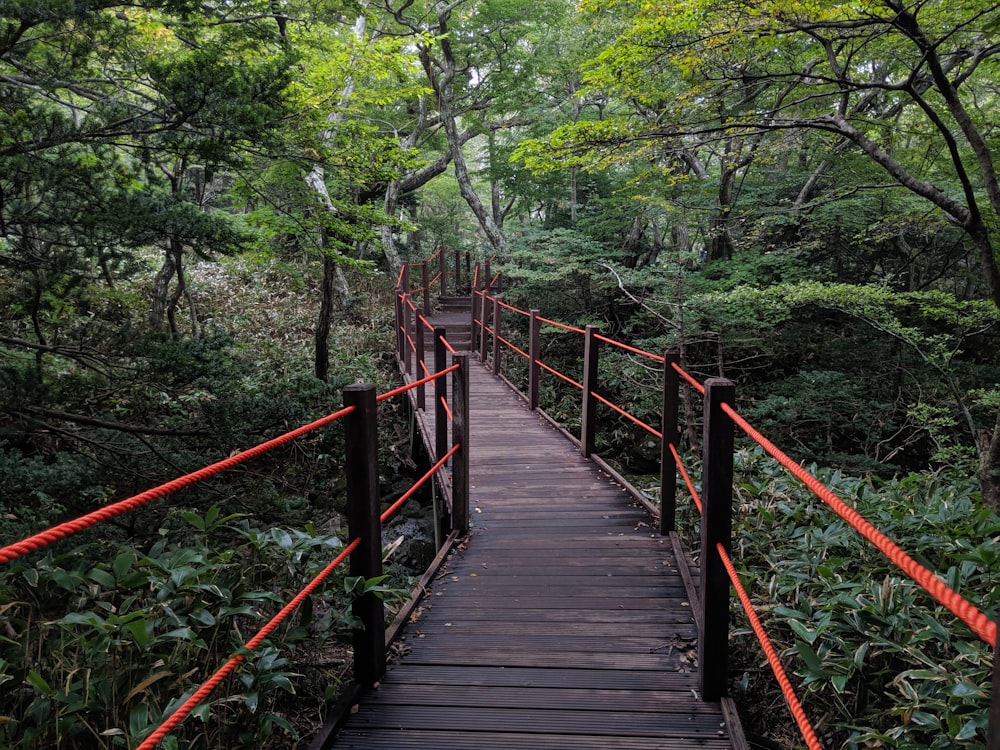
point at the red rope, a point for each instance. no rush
(687, 478)
(410, 386)
(628, 416)
(399, 279)
(427, 325)
(209, 685)
(447, 409)
(559, 374)
(409, 301)
(387, 513)
(412, 343)
(683, 373)
(424, 368)
(514, 309)
(961, 607)
(561, 325)
(32, 543)
(448, 346)
(514, 348)
(475, 280)
(808, 734)
(628, 348)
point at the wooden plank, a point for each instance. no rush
(563, 621)
(397, 739)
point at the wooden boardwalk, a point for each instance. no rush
(562, 622)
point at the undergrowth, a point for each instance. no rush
(875, 660)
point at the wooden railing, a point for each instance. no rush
(712, 612)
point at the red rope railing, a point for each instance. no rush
(614, 407)
(447, 409)
(772, 657)
(410, 386)
(224, 671)
(388, 512)
(505, 306)
(557, 324)
(628, 348)
(559, 375)
(514, 348)
(958, 605)
(687, 479)
(62, 530)
(691, 381)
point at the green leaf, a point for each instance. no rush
(38, 682)
(811, 659)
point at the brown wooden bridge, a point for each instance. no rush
(563, 620)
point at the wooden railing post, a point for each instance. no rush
(440, 395)
(489, 275)
(361, 468)
(716, 527)
(993, 729)
(443, 265)
(474, 339)
(400, 338)
(497, 319)
(671, 436)
(588, 423)
(468, 267)
(534, 353)
(483, 325)
(420, 373)
(406, 334)
(425, 280)
(460, 437)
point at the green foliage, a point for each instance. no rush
(876, 658)
(96, 653)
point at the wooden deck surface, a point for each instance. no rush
(562, 622)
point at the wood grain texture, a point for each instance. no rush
(562, 622)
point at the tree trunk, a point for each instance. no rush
(161, 291)
(324, 322)
(989, 467)
(440, 74)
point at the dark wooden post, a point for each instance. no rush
(477, 279)
(993, 729)
(361, 469)
(489, 275)
(420, 374)
(406, 334)
(588, 424)
(425, 278)
(443, 264)
(468, 266)
(671, 436)
(460, 437)
(534, 353)
(474, 340)
(483, 325)
(400, 339)
(716, 527)
(440, 394)
(497, 318)
(405, 282)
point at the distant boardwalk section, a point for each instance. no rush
(563, 621)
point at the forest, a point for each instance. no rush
(204, 207)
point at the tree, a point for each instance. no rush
(907, 86)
